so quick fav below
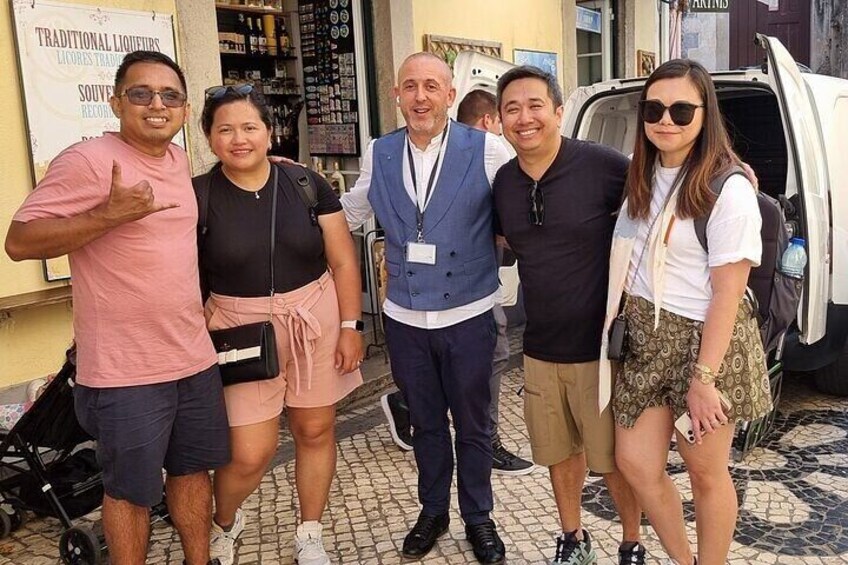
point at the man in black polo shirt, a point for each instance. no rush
(555, 203)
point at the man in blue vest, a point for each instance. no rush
(430, 186)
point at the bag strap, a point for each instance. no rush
(305, 189)
(716, 186)
(275, 189)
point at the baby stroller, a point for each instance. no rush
(46, 469)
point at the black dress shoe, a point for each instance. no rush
(423, 535)
(487, 545)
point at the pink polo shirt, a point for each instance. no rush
(138, 317)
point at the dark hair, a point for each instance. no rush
(212, 104)
(147, 57)
(475, 105)
(710, 155)
(529, 71)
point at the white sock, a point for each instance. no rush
(310, 529)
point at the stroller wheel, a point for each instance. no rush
(19, 519)
(5, 524)
(79, 546)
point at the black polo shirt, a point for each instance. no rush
(564, 263)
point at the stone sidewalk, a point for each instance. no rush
(794, 494)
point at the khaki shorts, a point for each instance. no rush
(561, 411)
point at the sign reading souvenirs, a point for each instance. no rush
(709, 5)
(67, 58)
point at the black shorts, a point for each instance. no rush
(180, 426)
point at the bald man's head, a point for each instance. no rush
(424, 93)
(429, 58)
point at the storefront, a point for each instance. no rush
(308, 58)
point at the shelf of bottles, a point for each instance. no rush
(256, 47)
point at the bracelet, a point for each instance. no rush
(704, 374)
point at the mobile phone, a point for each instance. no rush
(684, 423)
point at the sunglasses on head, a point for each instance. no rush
(681, 113)
(216, 92)
(143, 96)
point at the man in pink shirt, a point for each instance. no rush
(122, 208)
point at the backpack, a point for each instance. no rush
(774, 295)
(297, 175)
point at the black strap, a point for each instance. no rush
(716, 186)
(305, 190)
(419, 211)
(203, 193)
(273, 228)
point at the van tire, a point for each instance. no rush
(833, 379)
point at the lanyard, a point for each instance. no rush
(419, 212)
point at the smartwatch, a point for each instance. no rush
(357, 325)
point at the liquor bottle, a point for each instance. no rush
(283, 41)
(260, 38)
(337, 180)
(254, 40)
(245, 32)
(269, 23)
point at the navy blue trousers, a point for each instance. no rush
(440, 370)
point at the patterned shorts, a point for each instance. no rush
(658, 365)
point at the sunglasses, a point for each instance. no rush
(537, 206)
(143, 96)
(216, 92)
(681, 113)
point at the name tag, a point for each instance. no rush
(419, 252)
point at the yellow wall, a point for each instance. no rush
(32, 341)
(647, 27)
(522, 24)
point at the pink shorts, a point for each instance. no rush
(306, 323)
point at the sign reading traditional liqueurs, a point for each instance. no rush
(67, 58)
(329, 76)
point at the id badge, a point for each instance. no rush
(420, 252)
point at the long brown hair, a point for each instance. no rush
(709, 156)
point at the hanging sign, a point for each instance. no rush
(709, 5)
(67, 57)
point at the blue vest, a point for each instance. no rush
(457, 220)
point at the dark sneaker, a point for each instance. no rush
(423, 535)
(570, 551)
(631, 553)
(487, 545)
(397, 415)
(506, 463)
(211, 562)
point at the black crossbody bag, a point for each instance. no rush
(249, 353)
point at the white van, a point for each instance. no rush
(792, 128)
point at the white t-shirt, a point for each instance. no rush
(733, 233)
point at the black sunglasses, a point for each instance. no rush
(143, 96)
(216, 92)
(537, 205)
(681, 113)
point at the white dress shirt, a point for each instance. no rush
(358, 210)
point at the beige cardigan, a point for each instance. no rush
(623, 242)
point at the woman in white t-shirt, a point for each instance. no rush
(692, 337)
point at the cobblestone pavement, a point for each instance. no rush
(794, 494)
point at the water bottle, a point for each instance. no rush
(794, 259)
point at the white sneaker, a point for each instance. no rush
(308, 545)
(221, 544)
